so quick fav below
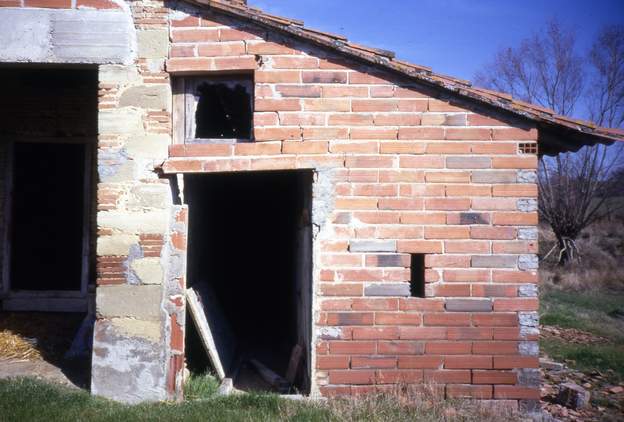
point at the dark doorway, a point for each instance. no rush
(48, 216)
(250, 245)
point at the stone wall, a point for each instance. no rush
(133, 331)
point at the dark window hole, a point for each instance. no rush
(417, 275)
(223, 110)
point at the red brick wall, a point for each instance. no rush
(61, 4)
(415, 172)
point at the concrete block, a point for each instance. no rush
(372, 246)
(151, 147)
(468, 305)
(387, 289)
(126, 367)
(153, 44)
(154, 221)
(66, 36)
(147, 96)
(126, 301)
(148, 270)
(116, 244)
(494, 261)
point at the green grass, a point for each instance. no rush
(25, 399)
(202, 386)
(588, 311)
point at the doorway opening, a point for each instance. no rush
(250, 258)
(48, 136)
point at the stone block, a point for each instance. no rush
(153, 44)
(468, 305)
(150, 330)
(528, 262)
(372, 246)
(116, 244)
(150, 195)
(387, 289)
(527, 233)
(573, 396)
(527, 290)
(147, 96)
(151, 147)
(118, 74)
(126, 301)
(148, 222)
(527, 176)
(148, 270)
(120, 122)
(527, 205)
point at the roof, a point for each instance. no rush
(558, 133)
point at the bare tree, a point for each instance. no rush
(606, 91)
(546, 70)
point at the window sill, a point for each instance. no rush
(227, 141)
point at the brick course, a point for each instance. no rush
(413, 174)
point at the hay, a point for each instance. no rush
(36, 336)
(15, 346)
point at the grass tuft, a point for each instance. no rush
(200, 386)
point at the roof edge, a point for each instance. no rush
(386, 60)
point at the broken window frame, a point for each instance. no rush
(185, 103)
(46, 300)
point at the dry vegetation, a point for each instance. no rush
(601, 265)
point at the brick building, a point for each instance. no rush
(377, 214)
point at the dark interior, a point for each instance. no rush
(48, 121)
(48, 216)
(223, 109)
(245, 250)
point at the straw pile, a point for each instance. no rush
(35, 336)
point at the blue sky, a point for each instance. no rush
(454, 37)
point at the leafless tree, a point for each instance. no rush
(606, 90)
(546, 70)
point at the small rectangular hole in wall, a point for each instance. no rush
(216, 108)
(417, 275)
(527, 148)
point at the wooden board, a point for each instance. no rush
(213, 330)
